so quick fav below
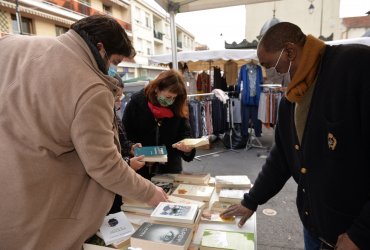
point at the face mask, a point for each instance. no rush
(278, 78)
(165, 102)
(112, 71)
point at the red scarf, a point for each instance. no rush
(160, 112)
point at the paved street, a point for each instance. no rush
(281, 231)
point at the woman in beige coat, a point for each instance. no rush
(60, 161)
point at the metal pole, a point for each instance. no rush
(322, 7)
(18, 17)
(173, 40)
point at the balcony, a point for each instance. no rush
(158, 35)
(84, 9)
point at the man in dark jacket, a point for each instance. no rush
(322, 137)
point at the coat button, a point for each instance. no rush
(304, 190)
(303, 170)
(296, 147)
(306, 213)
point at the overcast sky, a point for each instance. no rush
(214, 26)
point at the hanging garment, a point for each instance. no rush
(231, 72)
(195, 118)
(249, 81)
(219, 116)
(203, 83)
(249, 119)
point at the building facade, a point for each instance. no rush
(147, 27)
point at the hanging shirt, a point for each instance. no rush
(249, 81)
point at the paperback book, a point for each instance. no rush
(232, 195)
(182, 200)
(175, 212)
(195, 142)
(232, 181)
(214, 216)
(116, 228)
(195, 192)
(218, 240)
(152, 153)
(219, 206)
(153, 236)
(193, 178)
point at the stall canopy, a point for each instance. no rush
(204, 59)
(178, 6)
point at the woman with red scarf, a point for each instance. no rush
(158, 115)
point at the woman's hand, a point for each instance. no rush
(137, 162)
(182, 147)
(136, 145)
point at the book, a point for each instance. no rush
(166, 186)
(139, 208)
(87, 246)
(153, 236)
(164, 178)
(177, 199)
(116, 228)
(175, 212)
(234, 196)
(152, 153)
(195, 142)
(219, 206)
(194, 192)
(232, 181)
(231, 240)
(193, 178)
(214, 216)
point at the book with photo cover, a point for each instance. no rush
(220, 206)
(153, 236)
(194, 192)
(182, 200)
(218, 240)
(195, 142)
(116, 228)
(152, 153)
(175, 212)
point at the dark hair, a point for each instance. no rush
(106, 30)
(173, 81)
(279, 34)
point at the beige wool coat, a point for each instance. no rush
(59, 160)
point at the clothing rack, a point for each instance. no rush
(231, 125)
(253, 141)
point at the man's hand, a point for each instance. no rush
(238, 210)
(137, 162)
(345, 243)
(158, 196)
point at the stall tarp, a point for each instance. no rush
(204, 59)
(359, 40)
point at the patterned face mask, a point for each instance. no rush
(164, 101)
(112, 71)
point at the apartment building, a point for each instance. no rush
(146, 26)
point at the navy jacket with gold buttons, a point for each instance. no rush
(332, 164)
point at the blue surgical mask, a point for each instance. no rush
(279, 78)
(164, 101)
(112, 71)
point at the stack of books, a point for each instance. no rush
(194, 192)
(233, 196)
(232, 181)
(192, 178)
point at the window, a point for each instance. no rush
(140, 46)
(107, 9)
(147, 20)
(26, 25)
(137, 15)
(167, 30)
(59, 30)
(148, 48)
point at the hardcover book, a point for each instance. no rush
(152, 153)
(116, 228)
(152, 236)
(195, 142)
(175, 212)
(231, 240)
(194, 192)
